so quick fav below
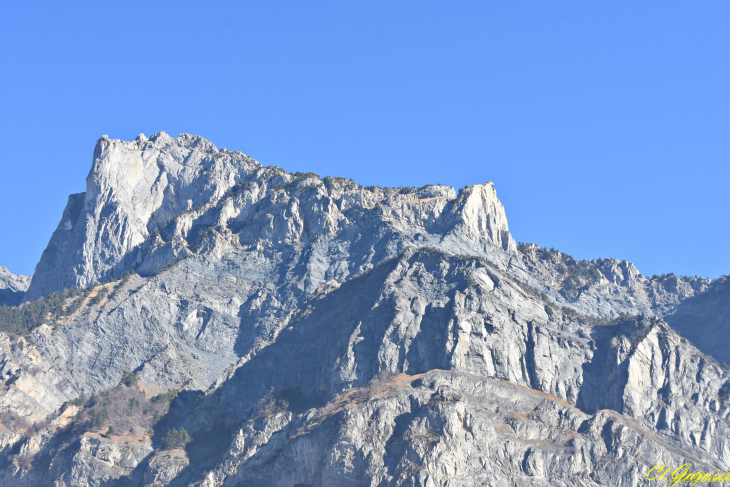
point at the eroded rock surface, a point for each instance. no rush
(328, 334)
(12, 287)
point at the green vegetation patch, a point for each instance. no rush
(175, 439)
(20, 320)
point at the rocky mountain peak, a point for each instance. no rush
(133, 189)
(179, 187)
(306, 330)
(483, 214)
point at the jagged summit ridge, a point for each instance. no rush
(160, 185)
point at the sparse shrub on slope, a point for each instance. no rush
(165, 397)
(123, 410)
(129, 379)
(100, 295)
(576, 275)
(269, 405)
(21, 320)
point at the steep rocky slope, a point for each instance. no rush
(324, 333)
(425, 313)
(12, 287)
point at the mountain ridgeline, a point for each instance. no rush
(201, 319)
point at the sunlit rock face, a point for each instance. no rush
(134, 189)
(12, 287)
(324, 333)
(172, 187)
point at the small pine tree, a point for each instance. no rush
(165, 397)
(129, 379)
(99, 418)
(79, 401)
(175, 439)
(100, 295)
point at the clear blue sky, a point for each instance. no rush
(605, 126)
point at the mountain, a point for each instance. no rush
(12, 287)
(305, 331)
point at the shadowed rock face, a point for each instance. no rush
(12, 287)
(412, 341)
(705, 319)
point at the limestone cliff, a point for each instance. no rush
(322, 333)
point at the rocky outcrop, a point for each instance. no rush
(32, 387)
(92, 460)
(12, 287)
(481, 217)
(164, 467)
(616, 396)
(133, 190)
(100, 460)
(602, 287)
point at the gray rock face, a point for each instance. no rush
(428, 314)
(340, 335)
(603, 287)
(12, 287)
(255, 242)
(704, 319)
(446, 428)
(698, 308)
(133, 189)
(164, 467)
(180, 187)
